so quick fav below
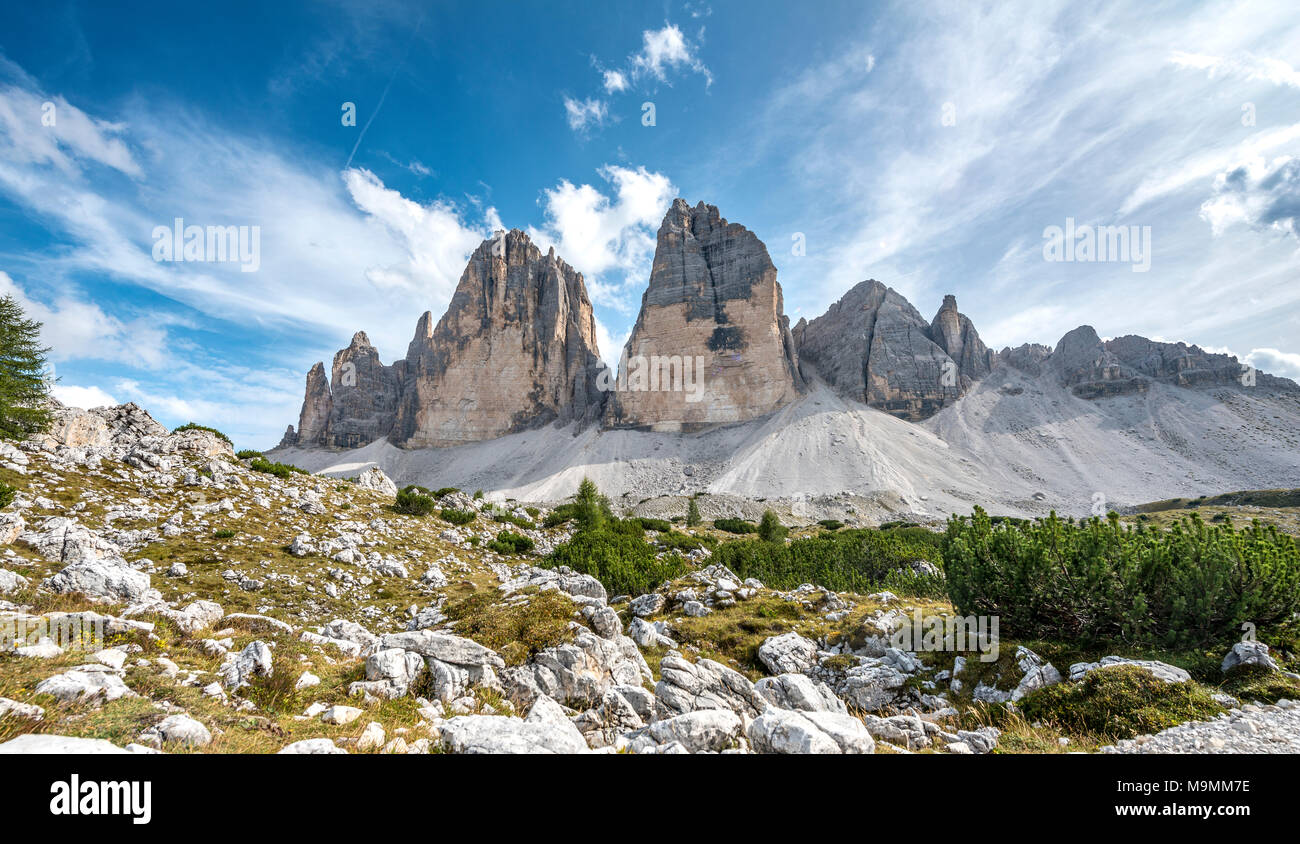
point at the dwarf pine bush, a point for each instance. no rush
(861, 560)
(1099, 581)
(509, 542)
(457, 517)
(413, 501)
(612, 550)
(735, 525)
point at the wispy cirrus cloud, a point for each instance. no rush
(585, 114)
(1245, 66)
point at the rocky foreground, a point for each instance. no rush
(274, 611)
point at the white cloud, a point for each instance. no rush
(74, 329)
(83, 397)
(667, 49)
(74, 139)
(611, 346)
(610, 240)
(435, 238)
(1257, 194)
(1274, 362)
(615, 81)
(1250, 67)
(582, 114)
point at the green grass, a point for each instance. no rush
(1243, 498)
(1249, 683)
(515, 629)
(191, 426)
(1119, 702)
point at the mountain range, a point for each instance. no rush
(869, 409)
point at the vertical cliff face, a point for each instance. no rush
(313, 421)
(712, 343)
(873, 346)
(516, 349)
(953, 332)
(364, 395)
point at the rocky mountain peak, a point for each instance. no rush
(873, 346)
(713, 304)
(516, 348)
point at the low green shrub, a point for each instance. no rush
(735, 526)
(247, 454)
(560, 515)
(1192, 586)
(457, 517)
(831, 524)
(509, 542)
(443, 492)
(411, 501)
(675, 541)
(279, 470)
(661, 525)
(7, 494)
(506, 517)
(859, 560)
(624, 563)
(190, 426)
(224, 533)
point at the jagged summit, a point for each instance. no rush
(875, 347)
(516, 349)
(714, 307)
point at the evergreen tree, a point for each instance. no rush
(591, 509)
(770, 528)
(24, 390)
(693, 513)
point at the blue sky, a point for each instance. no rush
(928, 145)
